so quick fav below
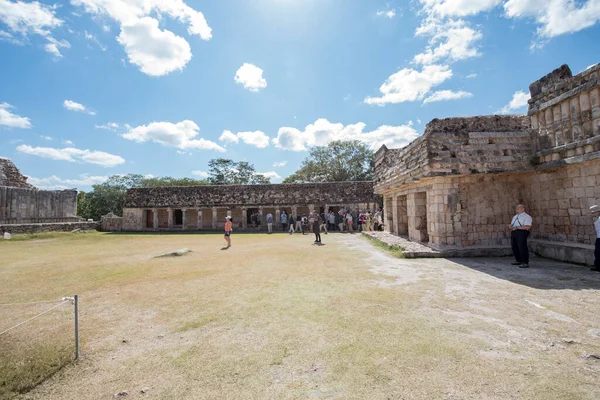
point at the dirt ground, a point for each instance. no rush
(276, 317)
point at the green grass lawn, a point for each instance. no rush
(276, 317)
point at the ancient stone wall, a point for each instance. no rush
(11, 176)
(457, 146)
(565, 116)
(247, 195)
(21, 205)
(48, 227)
(111, 223)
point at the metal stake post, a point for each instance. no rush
(76, 327)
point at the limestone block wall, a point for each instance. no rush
(565, 116)
(32, 205)
(11, 176)
(48, 227)
(111, 224)
(133, 219)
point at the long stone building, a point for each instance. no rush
(206, 207)
(22, 203)
(457, 185)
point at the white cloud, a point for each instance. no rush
(418, 121)
(72, 154)
(201, 174)
(459, 8)
(156, 52)
(31, 18)
(94, 39)
(181, 135)
(443, 95)
(280, 164)
(73, 106)
(109, 126)
(471, 76)
(518, 101)
(271, 175)
(48, 138)
(257, 138)
(556, 17)
(68, 143)
(387, 14)
(450, 40)
(251, 77)
(55, 183)
(12, 120)
(411, 85)
(322, 132)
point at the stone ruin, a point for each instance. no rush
(10, 175)
(457, 185)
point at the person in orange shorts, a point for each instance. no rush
(228, 230)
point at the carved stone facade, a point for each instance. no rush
(205, 207)
(458, 184)
(22, 203)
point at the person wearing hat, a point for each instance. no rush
(520, 227)
(228, 230)
(595, 211)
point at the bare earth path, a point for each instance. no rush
(275, 317)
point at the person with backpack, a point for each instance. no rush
(284, 221)
(304, 223)
(292, 222)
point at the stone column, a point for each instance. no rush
(244, 217)
(576, 119)
(548, 115)
(565, 118)
(170, 211)
(388, 222)
(395, 230)
(214, 218)
(586, 115)
(199, 223)
(295, 211)
(311, 207)
(326, 209)
(278, 218)
(595, 105)
(155, 218)
(262, 216)
(184, 218)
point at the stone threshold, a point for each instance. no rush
(419, 250)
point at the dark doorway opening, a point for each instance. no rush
(250, 220)
(178, 217)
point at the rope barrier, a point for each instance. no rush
(32, 318)
(31, 302)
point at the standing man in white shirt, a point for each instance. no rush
(595, 211)
(520, 227)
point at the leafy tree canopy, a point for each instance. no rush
(222, 171)
(337, 162)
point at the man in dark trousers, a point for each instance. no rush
(520, 227)
(595, 211)
(316, 226)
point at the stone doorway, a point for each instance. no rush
(149, 219)
(418, 230)
(402, 216)
(177, 217)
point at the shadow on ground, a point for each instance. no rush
(542, 273)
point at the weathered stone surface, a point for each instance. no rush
(251, 195)
(111, 223)
(11, 176)
(49, 227)
(176, 253)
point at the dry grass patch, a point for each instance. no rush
(275, 317)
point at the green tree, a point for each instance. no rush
(337, 162)
(222, 171)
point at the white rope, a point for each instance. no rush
(39, 315)
(32, 302)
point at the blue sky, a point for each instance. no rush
(92, 88)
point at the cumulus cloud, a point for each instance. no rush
(387, 14)
(257, 138)
(181, 135)
(55, 183)
(519, 100)
(271, 175)
(72, 154)
(459, 8)
(411, 85)
(201, 174)
(471, 76)
(74, 106)
(322, 132)
(155, 51)
(31, 18)
(11, 120)
(449, 40)
(444, 95)
(251, 77)
(280, 164)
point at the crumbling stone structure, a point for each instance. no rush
(205, 207)
(458, 184)
(22, 203)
